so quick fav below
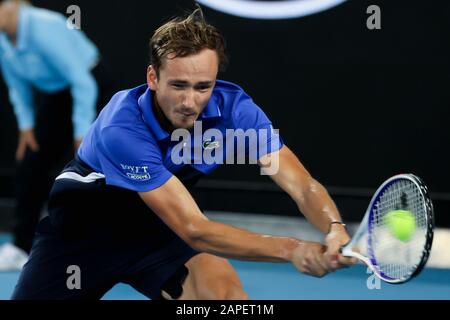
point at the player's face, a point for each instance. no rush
(184, 86)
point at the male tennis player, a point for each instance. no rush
(121, 211)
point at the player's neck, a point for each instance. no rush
(162, 119)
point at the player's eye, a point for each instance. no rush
(178, 85)
(203, 87)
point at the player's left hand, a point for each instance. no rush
(335, 239)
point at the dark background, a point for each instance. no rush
(356, 105)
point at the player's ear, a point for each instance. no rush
(152, 77)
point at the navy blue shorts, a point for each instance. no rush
(105, 231)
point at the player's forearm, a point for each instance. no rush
(311, 197)
(318, 207)
(231, 242)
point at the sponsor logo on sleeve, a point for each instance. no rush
(137, 173)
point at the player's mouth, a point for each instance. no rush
(187, 114)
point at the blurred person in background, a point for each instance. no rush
(56, 85)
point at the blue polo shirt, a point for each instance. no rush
(128, 145)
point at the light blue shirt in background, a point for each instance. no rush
(49, 57)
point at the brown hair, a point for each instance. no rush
(184, 37)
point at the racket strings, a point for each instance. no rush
(395, 258)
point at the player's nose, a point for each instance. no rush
(189, 100)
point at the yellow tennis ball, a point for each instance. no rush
(401, 223)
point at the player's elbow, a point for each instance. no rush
(195, 234)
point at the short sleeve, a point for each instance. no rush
(131, 160)
(249, 117)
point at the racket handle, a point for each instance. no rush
(341, 249)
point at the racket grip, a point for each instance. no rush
(341, 249)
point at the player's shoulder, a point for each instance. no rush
(227, 87)
(228, 91)
(238, 107)
(231, 97)
(121, 122)
(123, 109)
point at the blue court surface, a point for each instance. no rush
(267, 281)
(270, 281)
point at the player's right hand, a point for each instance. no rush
(26, 140)
(309, 258)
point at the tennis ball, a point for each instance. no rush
(401, 223)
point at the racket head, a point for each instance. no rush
(394, 260)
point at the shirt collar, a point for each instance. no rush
(212, 108)
(145, 103)
(146, 106)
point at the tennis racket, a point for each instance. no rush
(391, 259)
